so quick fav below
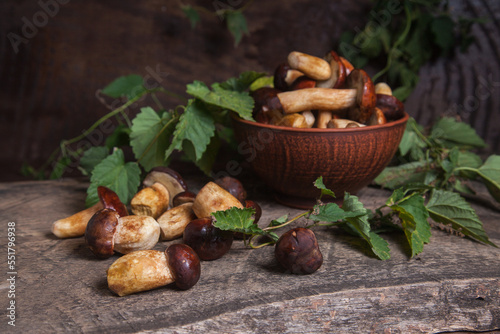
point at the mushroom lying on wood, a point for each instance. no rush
(212, 198)
(151, 201)
(169, 178)
(150, 269)
(107, 232)
(75, 225)
(173, 222)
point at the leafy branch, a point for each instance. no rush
(407, 210)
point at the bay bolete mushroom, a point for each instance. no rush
(173, 221)
(107, 232)
(212, 198)
(208, 241)
(75, 225)
(150, 269)
(314, 67)
(338, 75)
(284, 76)
(366, 99)
(169, 178)
(151, 201)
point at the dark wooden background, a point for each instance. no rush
(48, 87)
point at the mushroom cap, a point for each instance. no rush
(183, 197)
(392, 108)
(100, 231)
(280, 75)
(337, 79)
(365, 96)
(209, 242)
(184, 264)
(110, 200)
(169, 178)
(262, 108)
(297, 250)
(233, 186)
(303, 82)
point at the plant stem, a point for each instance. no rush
(269, 228)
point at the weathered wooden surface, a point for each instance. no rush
(454, 285)
(48, 86)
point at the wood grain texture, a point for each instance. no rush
(454, 285)
(48, 88)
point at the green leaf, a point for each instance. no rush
(129, 86)
(490, 174)
(239, 102)
(442, 28)
(360, 223)
(239, 220)
(236, 24)
(321, 186)
(397, 176)
(112, 172)
(413, 216)
(449, 208)
(243, 82)
(191, 14)
(119, 137)
(195, 125)
(206, 162)
(150, 137)
(451, 132)
(331, 213)
(281, 220)
(411, 141)
(92, 157)
(266, 81)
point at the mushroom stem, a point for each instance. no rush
(139, 271)
(75, 225)
(136, 233)
(314, 67)
(316, 98)
(212, 198)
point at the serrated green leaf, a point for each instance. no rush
(450, 133)
(281, 220)
(208, 158)
(318, 183)
(129, 86)
(239, 102)
(236, 24)
(119, 137)
(195, 125)
(113, 172)
(397, 176)
(265, 81)
(411, 140)
(490, 174)
(413, 216)
(360, 223)
(331, 213)
(243, 82)
(449, 208)
(92, 157)
(150, 137)
(239, 221)
(192, 14)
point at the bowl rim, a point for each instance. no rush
(395, 123)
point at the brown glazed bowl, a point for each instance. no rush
(289, 160)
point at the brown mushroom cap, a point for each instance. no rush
(100, 231)
(184, 264)
(338, 76)
(303, 82)
(233, 186)
(262, 112)
(348, 66)
(392, 108)
(184, 197)
(110, 200)
(169, 178)
(365, 96)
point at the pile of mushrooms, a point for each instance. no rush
(324, 93)
(163, 210)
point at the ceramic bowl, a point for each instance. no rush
(289, 160)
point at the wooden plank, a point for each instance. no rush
(60, 287)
